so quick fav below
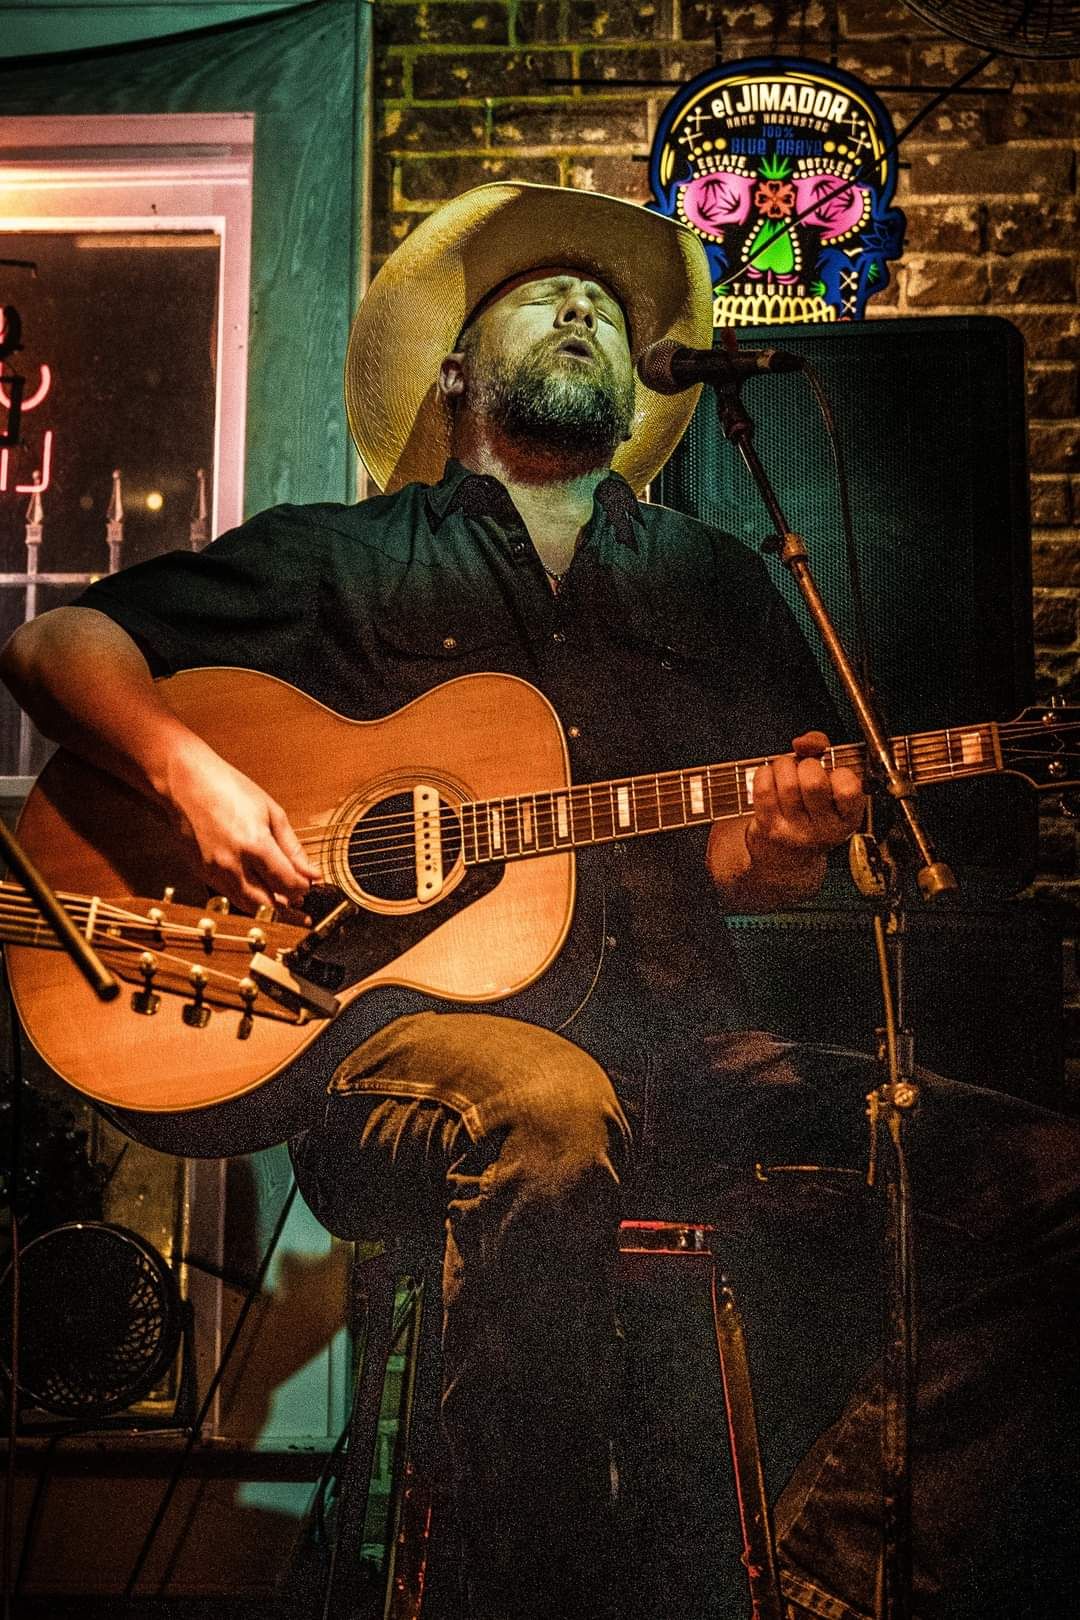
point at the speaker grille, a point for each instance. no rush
(930, 417)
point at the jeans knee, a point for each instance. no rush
(546, 1124)
(541, 1121)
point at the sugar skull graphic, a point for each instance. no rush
(782, 168)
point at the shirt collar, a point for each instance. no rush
(481, 495)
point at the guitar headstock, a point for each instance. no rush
(210, 959)
(1043, 746)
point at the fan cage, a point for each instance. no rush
(1042, 28)
(100, 1319)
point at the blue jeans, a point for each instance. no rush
(521, 1144)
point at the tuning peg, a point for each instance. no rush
(218, 906)
(146, 1001)
(196, 1013)
(248, 990)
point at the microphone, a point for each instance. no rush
(667, 367)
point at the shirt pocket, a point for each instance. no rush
(452, 636)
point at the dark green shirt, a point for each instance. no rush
(666, 646)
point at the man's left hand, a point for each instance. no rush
(776, 855)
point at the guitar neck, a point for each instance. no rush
(634, 806)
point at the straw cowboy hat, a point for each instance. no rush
(418, 303)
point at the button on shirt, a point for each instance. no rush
(665, 646)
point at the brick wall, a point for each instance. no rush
(475, 90)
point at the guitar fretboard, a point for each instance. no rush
(633, 806)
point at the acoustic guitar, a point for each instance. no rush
(446, 835)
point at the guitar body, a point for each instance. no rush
(445, 834)
(235, 1085)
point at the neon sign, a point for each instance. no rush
(784, 169)
(43, 473)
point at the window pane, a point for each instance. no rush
(119, 335)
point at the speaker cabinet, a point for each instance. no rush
(930, 420)
(982, 989)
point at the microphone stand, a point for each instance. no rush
(897, 1094)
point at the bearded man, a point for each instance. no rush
(502, 333)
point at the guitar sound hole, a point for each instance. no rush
(382, 847)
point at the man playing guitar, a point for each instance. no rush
(491, 392)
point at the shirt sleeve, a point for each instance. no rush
(249, 600)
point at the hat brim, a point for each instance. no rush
(418, 303)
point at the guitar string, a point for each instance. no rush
(385, 867)
(672, 782)
(367, 866)
(27, 917)
(39, 935)
(368, 858)
(19, 908)
(923, 746)
(581, 803)
(362, 864)
(383, 848)
(925, 749)
(581, 796)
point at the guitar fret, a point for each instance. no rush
(694, 784)
(470, 855)
(561, 819)
(545, 821)
(623, 808)
(483, 836)
(580, 820)
(603, 811)
(672, 812)
(645, 802)
(511, 826)
(528, 824)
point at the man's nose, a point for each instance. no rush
(576, 307)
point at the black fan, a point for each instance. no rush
(100, 1319)
(1015, 27)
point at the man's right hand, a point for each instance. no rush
(245, 845)
(86, 684)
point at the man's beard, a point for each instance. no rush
(563, 406)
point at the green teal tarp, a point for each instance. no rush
(43, 27)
